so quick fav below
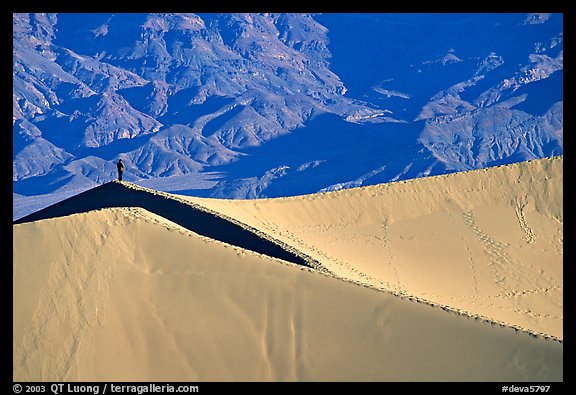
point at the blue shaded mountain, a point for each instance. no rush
(266, 105)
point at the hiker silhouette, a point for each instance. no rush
(120, 166)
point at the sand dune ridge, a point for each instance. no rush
(454, 277)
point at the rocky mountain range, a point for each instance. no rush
(265, 105)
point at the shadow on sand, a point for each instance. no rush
(123, 194)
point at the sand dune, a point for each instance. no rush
(126, 294)
(202, 221)
(486, 242)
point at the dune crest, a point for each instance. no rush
(199, 219)
(484, 242)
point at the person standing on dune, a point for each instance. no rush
(120, 166)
